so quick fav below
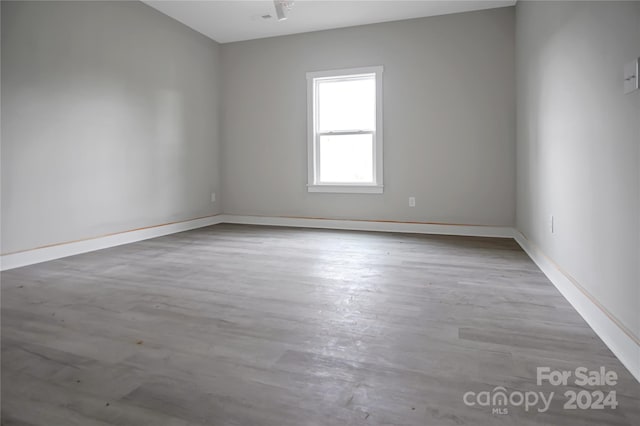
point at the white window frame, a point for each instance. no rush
(313, 138)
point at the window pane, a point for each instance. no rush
(347, 104)
(346, 158)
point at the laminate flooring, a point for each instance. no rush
(237, 325)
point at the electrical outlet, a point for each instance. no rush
(412, 201)
(213, 197)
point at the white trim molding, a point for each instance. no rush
(57, 251)
(71, 248)
(622, 342)
(346, 189)
(373, 225)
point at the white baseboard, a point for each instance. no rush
(613, 333)
(379, 226)
(57, 251)
(43, 254)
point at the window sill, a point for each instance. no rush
(346, 189)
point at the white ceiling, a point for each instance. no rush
(234, 20)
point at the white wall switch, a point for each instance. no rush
(412, 201)
(213, 197)
(631, 76)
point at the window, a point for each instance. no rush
(345, 130)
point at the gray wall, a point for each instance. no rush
(449, 120)
(578, 149)
(109, 121)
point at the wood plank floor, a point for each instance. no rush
(242, 325)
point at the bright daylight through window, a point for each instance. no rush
(345, 130)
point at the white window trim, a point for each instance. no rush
(312, 164)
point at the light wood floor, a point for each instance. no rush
(240, 325)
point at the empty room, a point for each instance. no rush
(320, 213)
